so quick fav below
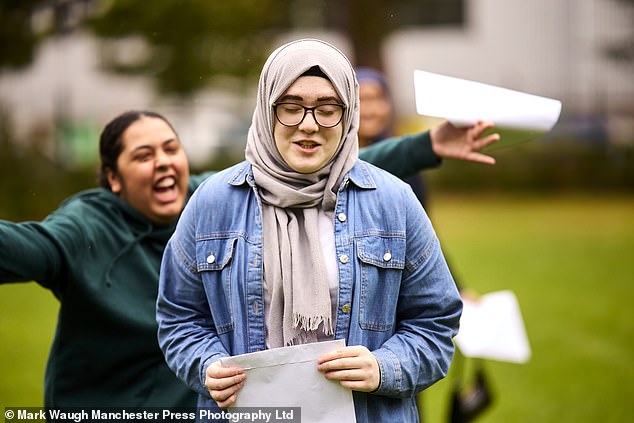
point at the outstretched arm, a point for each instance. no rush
(36, 250)
(407, 155)
(402, 156)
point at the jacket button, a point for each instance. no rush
(387, 256)
(346, 308)
(342, 217)
(211, 258)
(343, 258)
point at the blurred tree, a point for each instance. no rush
(189, 41)
(32, 183)
(622, 50)
(26, 23)
(368, 22)
(17, 38)
(184, 43)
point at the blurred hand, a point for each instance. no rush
(354, 367)
(448, 141)
(470, 295)
(223, 383)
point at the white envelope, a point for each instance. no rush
(518, 116)
(288, 377)
(492, 328)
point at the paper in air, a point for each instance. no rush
(288, 377)
(517, 116)
(491, 327)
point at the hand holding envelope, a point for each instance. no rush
(224, 383)
(288, 377)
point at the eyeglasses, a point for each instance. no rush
(292, 114)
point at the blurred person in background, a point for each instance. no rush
(378, 118)
(378, 123)
(99, 254)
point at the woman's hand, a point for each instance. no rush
(223, 383)
(354, 367)
(448, 141)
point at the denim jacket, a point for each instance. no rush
(396, 294)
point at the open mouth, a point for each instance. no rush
(166, 189)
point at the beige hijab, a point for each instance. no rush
(294, 267)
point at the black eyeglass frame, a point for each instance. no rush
(306, 110)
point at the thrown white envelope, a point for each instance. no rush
(492, 328)
(288, 377)
(463, 103)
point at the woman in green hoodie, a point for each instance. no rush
(100, 254)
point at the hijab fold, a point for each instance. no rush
(294, 268)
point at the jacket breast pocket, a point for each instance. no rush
(382, 260)
(213, 261)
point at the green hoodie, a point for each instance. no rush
(101, 259)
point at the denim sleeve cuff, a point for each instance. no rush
(390, 370)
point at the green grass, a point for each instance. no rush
(569, 260)
(28, 314)
(570, 263)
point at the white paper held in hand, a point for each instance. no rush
(288, 377)
(463, 103)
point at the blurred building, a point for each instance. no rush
(66, 96)
(553, 48)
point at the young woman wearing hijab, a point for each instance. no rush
(303, 242)
(100, 253)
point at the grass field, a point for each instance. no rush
(569, 260)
